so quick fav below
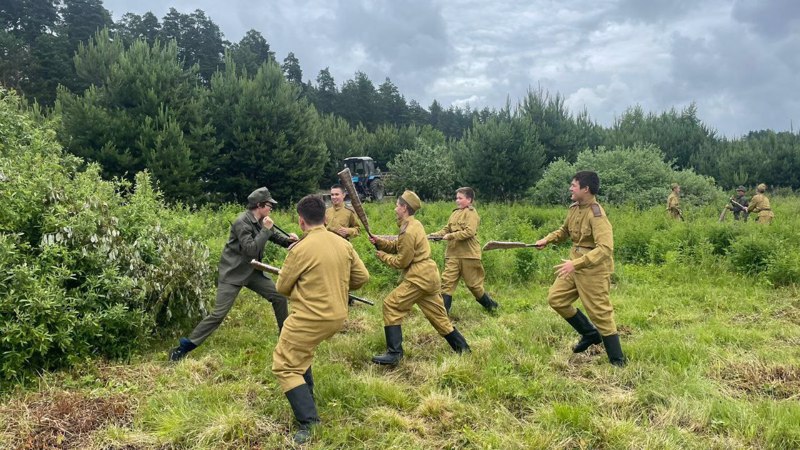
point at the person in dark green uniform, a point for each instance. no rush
(249, 234)
(587, 272)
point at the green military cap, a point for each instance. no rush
(412, 199)
(260, 195)
(740, 188)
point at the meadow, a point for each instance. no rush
(708, 312)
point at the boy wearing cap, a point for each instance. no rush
(759, 205)
(248, 237)
(463, 255)
(421, 285)
(738, 204)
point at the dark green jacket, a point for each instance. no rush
(246, 242)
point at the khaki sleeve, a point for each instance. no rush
(358, 271)
(290, 273)
(470, 227)
(354, 226)
(559, 234)
(386, 246)
(403, 254)
(604, 244)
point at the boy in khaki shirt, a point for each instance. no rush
(587, 272)
(339, 218)
(421, 285)
(463, 254)
(317, 275)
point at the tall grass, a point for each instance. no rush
(708, 311)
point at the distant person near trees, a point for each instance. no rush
(248, 237)
(339, 218)
(463, 253)
(421, 285)
(759, 205)
(738, 204)
(317, 275)
(674, 202)
(587, 272)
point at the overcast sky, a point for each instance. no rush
(739, 61)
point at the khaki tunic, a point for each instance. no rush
(463, 253)
(317, 275)
(674, 205)
(759, 204)
(411, 253)
(339, 216)
(592, 255)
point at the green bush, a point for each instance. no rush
(87, 265)
(637, 175)
(751, 254)
(427, 170)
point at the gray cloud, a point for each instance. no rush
(736, 60)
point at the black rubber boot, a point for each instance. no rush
(309, 377)
(183, 348)
(305, 411)
(394, 346)
(614, 350)
(487, 302)
(457, 341)
(448, 301)
(589, 334)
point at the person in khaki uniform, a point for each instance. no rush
(249, 234)
(339, 218)
(463, 253)
(587, 272)
(411, 253)
(317, 275)
(759, 205)
(674, 202)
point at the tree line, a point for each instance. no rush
(211, 119)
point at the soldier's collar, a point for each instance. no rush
(251, 216)
(314, 229)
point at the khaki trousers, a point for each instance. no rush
(471, 270)
(593, 290)
(295, 350)
(399, 302)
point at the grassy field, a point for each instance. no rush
(709, 315)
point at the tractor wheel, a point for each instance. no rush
(376, 189)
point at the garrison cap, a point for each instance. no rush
(741, 188)
(260, 195)
(673, 186)
(761, 187)
(412, 199)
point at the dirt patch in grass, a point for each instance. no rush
(61, 420)
(775, 381)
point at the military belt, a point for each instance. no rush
(577, 247)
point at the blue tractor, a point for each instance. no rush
(367, 177)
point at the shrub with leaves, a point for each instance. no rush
(87, 267)
(426, 169)
(637, 175)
